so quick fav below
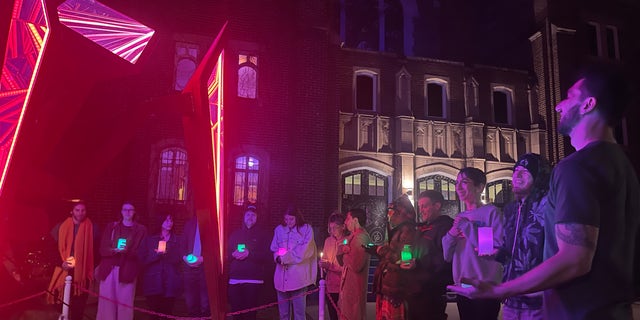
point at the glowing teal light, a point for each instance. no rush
(344, 241)
(122, 243)
(241, 247)
(191, 258)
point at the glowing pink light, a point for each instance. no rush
(28, 34)
(106, 27)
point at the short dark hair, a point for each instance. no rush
(359, 214)
(609, 84)
(435, 196)
(294, 211)
(476, 175)
(337, 218)
(404, 203)
(74, 203)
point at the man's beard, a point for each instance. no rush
(569, 121)
(521, 192)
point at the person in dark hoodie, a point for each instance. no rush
(249, 252)
(434, 273)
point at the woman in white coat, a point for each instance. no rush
(294, 252)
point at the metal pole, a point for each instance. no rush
(321, 300)
(66, 297)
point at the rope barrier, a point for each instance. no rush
(333, 303)
(273, 303)
(200, 318)
(22, 299)
(150, 312)
(137, 308)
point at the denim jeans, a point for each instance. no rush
(196, 295)
(521, 314)
(298, 304)
(244, 296)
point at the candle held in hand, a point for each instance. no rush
(162, 246)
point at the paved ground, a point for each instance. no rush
(452, 311)
(36, 310)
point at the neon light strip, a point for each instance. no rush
(214, 91)
(106, 27)
(35, 10)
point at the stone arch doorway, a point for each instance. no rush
(444, 185)
(367, 190)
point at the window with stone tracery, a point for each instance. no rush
(247, 76)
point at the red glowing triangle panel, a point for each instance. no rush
(106, 27)
(27, 36)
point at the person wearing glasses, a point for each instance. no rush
(120, 265)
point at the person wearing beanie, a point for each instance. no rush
(395, 280)
(524, 232)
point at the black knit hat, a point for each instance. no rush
(531, 162)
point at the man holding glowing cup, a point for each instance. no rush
(248, 250)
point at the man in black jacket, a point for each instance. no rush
(249, 252)
(434, 272)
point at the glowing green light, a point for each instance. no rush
(191, 258)
(241, 247)
(406, 255)
(344, 241)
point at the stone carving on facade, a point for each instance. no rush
(439, 142)
(491, 147)
(508, 147)
(366, 139)
(385, 135)
(421, 141)
(458, 150)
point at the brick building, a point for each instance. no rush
(328, 104)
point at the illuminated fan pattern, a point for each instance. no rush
(28, 33)
(106, 27)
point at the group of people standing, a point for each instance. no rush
(563, 249)
(167, 264)
(590, 218)
(571, 233)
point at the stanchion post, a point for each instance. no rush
(65, 298)
(321, 299)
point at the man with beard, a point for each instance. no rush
(524, 232)
(75, 236)
(591, 235)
